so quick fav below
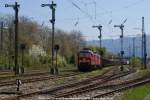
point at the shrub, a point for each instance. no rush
(135, 62)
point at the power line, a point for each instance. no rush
(133, 4)
(88, 15)
(120, 9)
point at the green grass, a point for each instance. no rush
(6, 74)
(138, 93)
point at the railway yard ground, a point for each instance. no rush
(138, 93)
(108, 83)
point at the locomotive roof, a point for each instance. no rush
(86, 51)
(89, 51)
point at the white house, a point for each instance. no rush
(37, 50)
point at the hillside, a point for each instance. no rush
(128, 45)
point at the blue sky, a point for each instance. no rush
(67, 15)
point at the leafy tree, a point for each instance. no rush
(101, 51)
(32, 33)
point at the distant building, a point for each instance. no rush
(37, 50)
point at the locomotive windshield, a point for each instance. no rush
(84, 54)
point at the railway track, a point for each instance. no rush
(27, 78)
(74, 84)
(79, 87)
(61, 87)
(91, 86)
(85, 84)
(124, 86)
(37, 77)
(25, 75)
(114, 88)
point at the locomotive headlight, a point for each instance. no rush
(88, 61)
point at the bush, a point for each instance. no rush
(61, 62)
(72, 60)
(44, 59)
(135, 62)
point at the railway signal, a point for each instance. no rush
(18, 83)
(53, 8)
(121, 36)
(99, 27)
(16, 9)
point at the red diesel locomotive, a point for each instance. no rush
(88, 60)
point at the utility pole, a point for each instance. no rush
(22, 47)
(137, 50)
(56, 47)
(16, 9)
(133, 46)
(129, 51)
(121, 36)
(52, 7)
(99, 27)
(144, 52)
(10, 47)
(1, 42)
(142, 43)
